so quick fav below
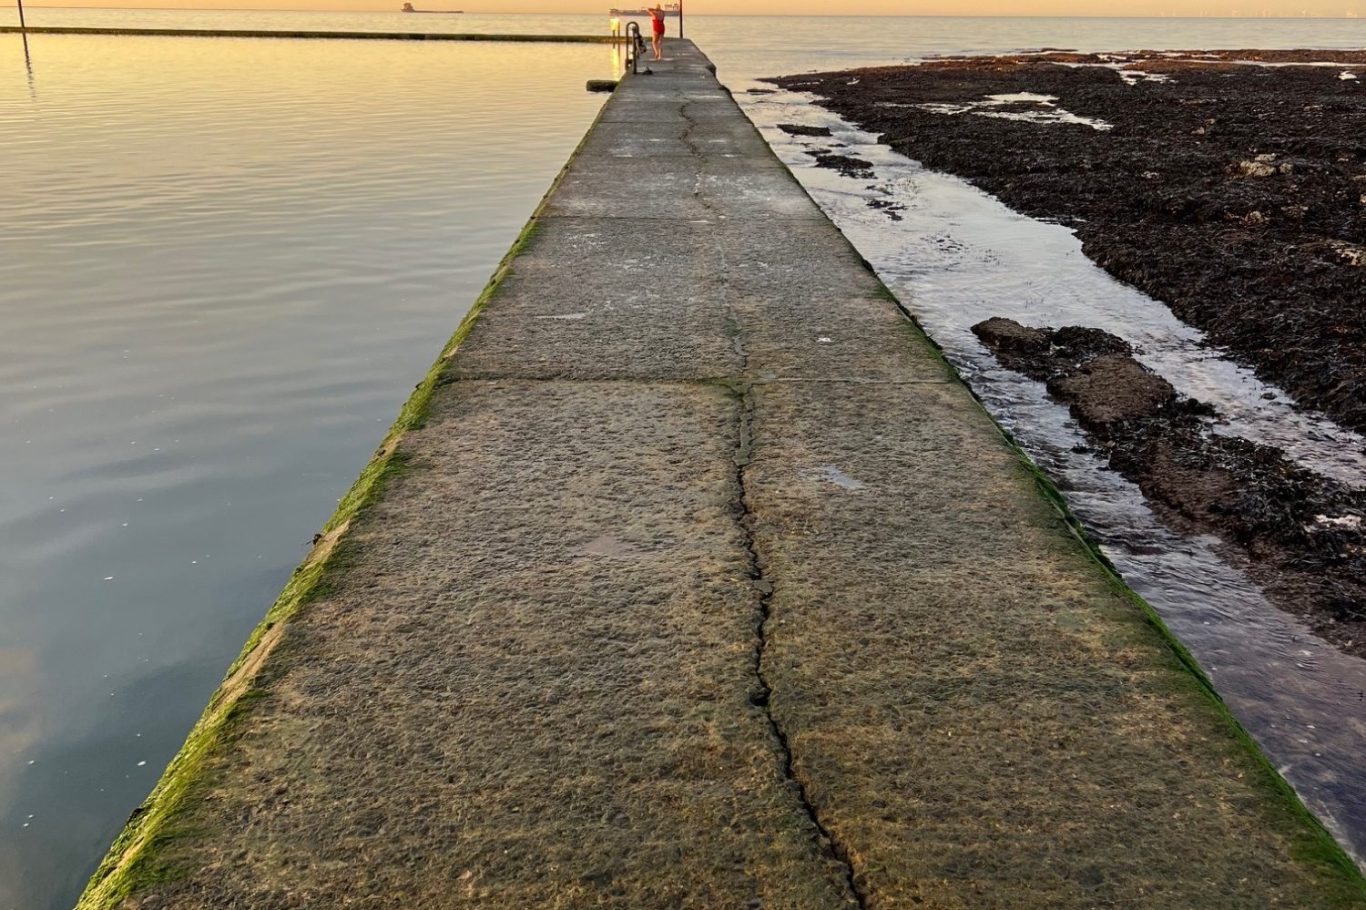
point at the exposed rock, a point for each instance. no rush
(1299, 534)
(1253, 231)
(1261, 166)
(796, 129)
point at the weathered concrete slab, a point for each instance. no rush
(646, 177)
(509, 699)
(587, 300)
(796, 261)
(831, 339)
(979, 715)
(676, 91)
(725, 138)
(702, 299)
(730, 192)
(666, 112)
(695, 579)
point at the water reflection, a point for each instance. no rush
(225, 263)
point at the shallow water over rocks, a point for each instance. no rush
(956, 257)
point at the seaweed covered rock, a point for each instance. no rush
(797, 129)
(847, 165)
(1233, 193)
(1298, 534)
(1112, 388)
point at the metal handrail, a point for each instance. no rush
(635, 46)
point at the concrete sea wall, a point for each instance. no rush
(692, 576)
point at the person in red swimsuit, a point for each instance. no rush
(657, 23)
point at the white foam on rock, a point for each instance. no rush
(1046, 110)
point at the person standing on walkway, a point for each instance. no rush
(657, 23)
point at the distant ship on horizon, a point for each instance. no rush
(408, 8)
(670, 9)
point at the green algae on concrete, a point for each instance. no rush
(704, 582)
(137, 857)
(1028, 727)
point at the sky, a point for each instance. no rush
(932, 7)
(803, 7)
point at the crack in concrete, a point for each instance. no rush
(686, 138)
(762, 698)
(696, 152)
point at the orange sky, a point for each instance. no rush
(811, 7)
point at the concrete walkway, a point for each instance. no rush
(702, 583)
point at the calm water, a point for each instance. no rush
(224, 264)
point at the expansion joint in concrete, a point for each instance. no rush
(762, 697)
(738, 381)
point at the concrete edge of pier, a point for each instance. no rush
(1321, 844)
(295, 33)
(134, 862)
(126, 862)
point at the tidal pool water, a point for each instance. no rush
(957, 256)
(224, 263)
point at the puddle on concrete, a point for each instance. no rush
(609, 546)
(831, 474)
(956, 256)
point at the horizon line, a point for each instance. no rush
(266, 9)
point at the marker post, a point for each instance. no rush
(23, 30)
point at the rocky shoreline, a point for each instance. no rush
(1232, 191)
(1232, 187)
(1300, 536)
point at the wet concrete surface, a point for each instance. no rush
(704, 583)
